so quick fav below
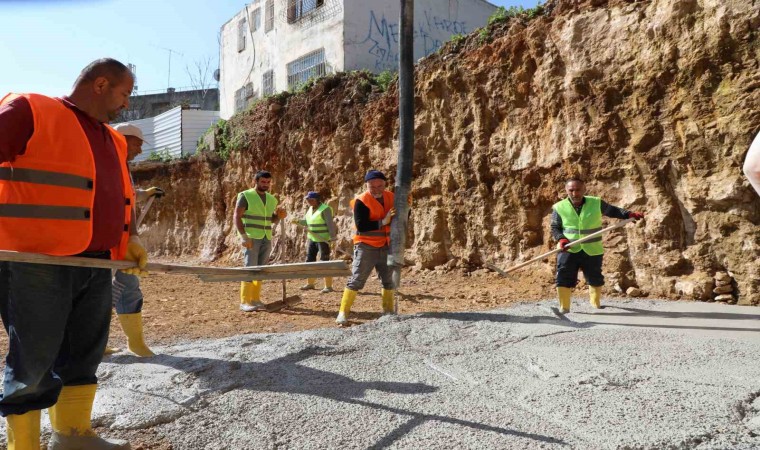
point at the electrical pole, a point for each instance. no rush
(405, 144)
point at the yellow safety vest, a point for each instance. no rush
(257, 219)
(575, 227)
(315, 222)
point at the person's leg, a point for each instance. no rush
(311, 255)
(592, 271)
(80, 354)
(324, 255)
(364, 261)
(247, 288)
(385, 273)
(129, 310)
(566, 279)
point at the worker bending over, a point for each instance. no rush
(573, 218)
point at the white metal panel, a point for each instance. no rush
(194, 124)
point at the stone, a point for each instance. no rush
(722, 276)
(723, 282)
(723, 289)
(724, 298)
(274, 107)
(633, 292)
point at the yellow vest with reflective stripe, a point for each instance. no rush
(315, 222)
(257, 219)
(575, 227)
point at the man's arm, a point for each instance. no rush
(16, 128)
(361, 218)
(331, 228)
(614, 211)
(752, 164)
(556, 226)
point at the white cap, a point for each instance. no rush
(128, 129)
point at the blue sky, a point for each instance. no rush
(45, 43)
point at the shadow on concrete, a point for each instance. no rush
(632, 312)
(555, 319)
(286, 375)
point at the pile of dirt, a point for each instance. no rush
(653, 102)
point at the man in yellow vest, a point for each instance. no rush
(321, 231)
(255, 213)
(64, 190)
(373, 212)
(572, 218)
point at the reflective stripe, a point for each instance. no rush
(596, 239)
(46, 177)
(575, 231)
(372, 233)
(318, 227)
(259, 227)
(252, 217)
(45, 212)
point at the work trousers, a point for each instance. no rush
(258, 254)
(312, 248)
(127, 296)
(57, 320)
(569, 263)
(366, 258)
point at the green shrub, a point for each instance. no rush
(384, 79)
(456, 39)
(160, 155)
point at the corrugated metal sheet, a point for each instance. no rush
(175, 132)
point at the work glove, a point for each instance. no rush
(389, 216)
(562, 243)
(136, 253)
(154, 192)
(246, 242)
(281, 214)
(635, 215)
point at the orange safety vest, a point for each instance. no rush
(381, 237)
(47, 194)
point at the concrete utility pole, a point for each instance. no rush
(405, 141)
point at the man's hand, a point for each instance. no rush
(635, 216)
(136, 253)
(295, 222)
(281, 214)
(389, 216)
(246, 242)
(154, 192)
(562, 243)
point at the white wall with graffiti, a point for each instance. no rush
(269, 38)
(372, 29)
(275, 45)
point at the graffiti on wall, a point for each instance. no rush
(430, 33)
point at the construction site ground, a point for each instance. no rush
(474, 361)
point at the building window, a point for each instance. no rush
(249, 92)
(267, 83)
(255, 20)
(240, 99)
(299, 8)
(241, 35)
(269, 16)
(310, 65)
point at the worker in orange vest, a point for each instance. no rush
(64, 190)
(373, 212)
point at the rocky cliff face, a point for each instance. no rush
(653, 102)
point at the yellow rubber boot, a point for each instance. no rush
(388, 307)
(23, 430)
(246, 292)
(345, 306)
(309, 284)
(70, 419)
(595, 296)
(256, 291)
(132, 324)
(564, 294)
(328, 285)
(250, 293)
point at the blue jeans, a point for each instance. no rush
(127, 296)
(258, 254)
(57, 320)
(569, 263)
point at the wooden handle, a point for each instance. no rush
(591, 236)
